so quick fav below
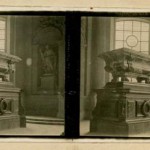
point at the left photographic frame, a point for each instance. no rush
(32, 75)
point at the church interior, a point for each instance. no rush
(32, 74)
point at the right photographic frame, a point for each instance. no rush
(115, 76)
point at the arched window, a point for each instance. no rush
(3, 26)
(132, 33)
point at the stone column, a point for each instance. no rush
(95, 38)
(86, 39)
(100, 43)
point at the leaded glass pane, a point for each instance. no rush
(2, 24)
(128, 25)
(137, 47)
(119, 25)
(144, 46)
(119, 44)
(2, 44)
(119, 35)
(136, 26)
(145, 26)
(137, 34)
(127, 34)
(133, 34)
(144, 36)
(2, 34)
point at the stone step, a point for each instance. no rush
(44, 120)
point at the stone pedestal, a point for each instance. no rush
(48, 83)
(9, 108)
(123, 107)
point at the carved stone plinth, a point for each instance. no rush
(48, 83)
(9, 108)
(10, 112)
(122, 109)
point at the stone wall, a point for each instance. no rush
(30, 35)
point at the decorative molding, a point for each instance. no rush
(122, 107)
(53, 21)
(7, 67)
(146, 108)
(50, 29)
(5, 106)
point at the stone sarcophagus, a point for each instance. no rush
(126, 63)
(9, 94)
(123, 106)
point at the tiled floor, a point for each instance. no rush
(35, 129)
(40, 129)
(55, 130)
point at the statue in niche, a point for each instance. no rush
(48, 58)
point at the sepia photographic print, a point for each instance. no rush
(114, 76)
(74, 75)
(32, 68)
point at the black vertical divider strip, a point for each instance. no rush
(72, 75)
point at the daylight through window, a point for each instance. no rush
(133, 34)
